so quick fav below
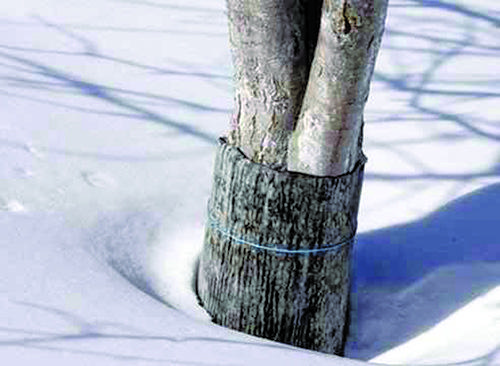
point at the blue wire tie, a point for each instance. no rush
(237, 240)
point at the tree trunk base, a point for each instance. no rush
(276, 256)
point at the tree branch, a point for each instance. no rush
(272, 44)
(327, 139)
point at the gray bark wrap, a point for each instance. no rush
(275, 261)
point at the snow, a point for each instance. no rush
(110, 112)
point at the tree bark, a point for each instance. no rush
(327, 138)
(272, 45)
(275, 262)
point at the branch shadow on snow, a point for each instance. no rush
(410, 277)
(459, 9)
(172, 6)
(81, 331)
(467, 35)
(31, 74)
(103, 93)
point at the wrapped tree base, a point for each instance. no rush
(276, 256)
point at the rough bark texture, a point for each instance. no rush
(275, 262)
(272, 45)
(325, 140)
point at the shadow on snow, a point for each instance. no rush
(408, 278)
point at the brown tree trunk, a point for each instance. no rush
(283, 210)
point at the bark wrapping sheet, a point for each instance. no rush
(276, 256)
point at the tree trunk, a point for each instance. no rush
(272, 45)
(327, 138)
(283, 209)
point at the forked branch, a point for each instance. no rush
(327, 138)
(299, 97)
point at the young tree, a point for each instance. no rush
(283, 209)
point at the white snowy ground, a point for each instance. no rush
(109, 113)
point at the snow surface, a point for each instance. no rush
(110, 112)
